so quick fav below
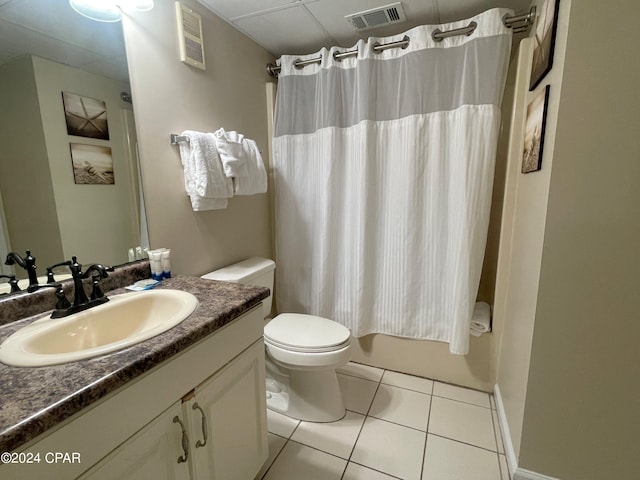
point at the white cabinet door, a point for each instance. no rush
(233, 405)
(152, 453)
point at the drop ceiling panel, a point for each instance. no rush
(293, 31)
(231, 9)
(331, 13)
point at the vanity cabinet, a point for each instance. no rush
(216, 391)
(221, 422)
(151, 453)
(228, 416)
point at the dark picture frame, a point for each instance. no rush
(545, 41)
(534, 132)
(85, 116)
(92, 164)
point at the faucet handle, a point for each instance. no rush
(50, 277)
(96, 291)
(12, 282)
(100, 269)
(61, 299)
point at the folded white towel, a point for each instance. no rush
(231, 152)
(481, 319)
(204, 179)
(242, 162)
(256, 179)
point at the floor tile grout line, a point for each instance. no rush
(274, 458)
(495, 436)
(461, 401)
(317, 449)
(401, 424)
(366, 415)
(375, 469)
(380, 382)
(408, 389)
(426, 437)
(464, 443)
(357, 376)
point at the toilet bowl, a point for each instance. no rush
(302, 352)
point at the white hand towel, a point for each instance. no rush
(204, 179)
(481, 319)
(256, 179)
(230, 148)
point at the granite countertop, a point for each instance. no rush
(33, 400)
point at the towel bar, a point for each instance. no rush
(176, 139)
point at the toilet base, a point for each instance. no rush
(311, 396)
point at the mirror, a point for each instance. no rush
(69, 178)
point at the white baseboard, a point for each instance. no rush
(512, 460)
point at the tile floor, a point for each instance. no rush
(396, 426)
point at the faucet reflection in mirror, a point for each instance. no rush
(28, 263)
(63, 307)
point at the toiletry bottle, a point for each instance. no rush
(166, 262)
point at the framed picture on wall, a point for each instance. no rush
(545, 40)
(534, 132)
(86, 117)
(92, 164)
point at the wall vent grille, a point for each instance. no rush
(377, 17)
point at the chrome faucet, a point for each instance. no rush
(28, 263)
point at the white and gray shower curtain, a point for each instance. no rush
(383, 169)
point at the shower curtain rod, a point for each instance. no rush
(519, 23)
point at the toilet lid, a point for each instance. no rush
(306, 333)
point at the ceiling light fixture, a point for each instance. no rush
(109, 10)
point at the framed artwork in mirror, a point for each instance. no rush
(545, 40)
(92, 164)
(86, 117)
(534, 132)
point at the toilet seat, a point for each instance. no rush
(302, 333)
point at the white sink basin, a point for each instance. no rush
(125, 320)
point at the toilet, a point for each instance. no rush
(302, 351)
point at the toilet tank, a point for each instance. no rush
(252, 271)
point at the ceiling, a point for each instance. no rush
(298, 27)
(51, 29)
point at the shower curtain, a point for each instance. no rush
(383, 168)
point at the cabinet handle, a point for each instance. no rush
(204, 426)
(185, 441)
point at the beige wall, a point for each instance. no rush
(581, 417)
(170, 97)
(97, 222)
(25, 179)
(522, 236)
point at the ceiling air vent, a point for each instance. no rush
(377, 17)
